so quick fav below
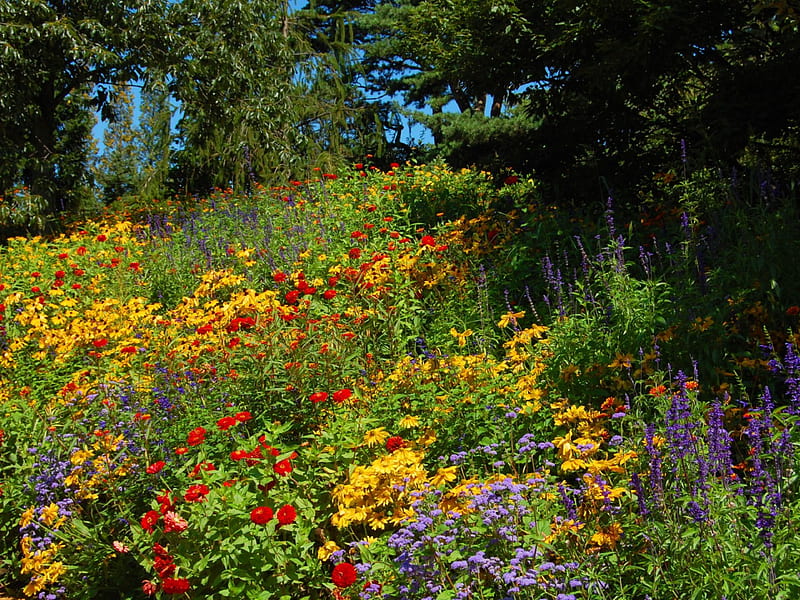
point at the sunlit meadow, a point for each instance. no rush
(405, 384)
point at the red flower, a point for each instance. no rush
(165, 503)
(342, 395)
(292, 296)
(261, 515)
(60, 274)
(395, 165)
(155, 467)
(286, 515)
(100, 343)
(427, 240)
(279, 276)
(329, 294)
(196, 436)
(511, 180)
(395, 443)
(226, 423)
(196, 493)
(793, 311)
(243, 416)
(330, 176)
(203, 466)
(344, 575)
(174, 522)
(128, 350)
(204, 329)
(149, 520)
(318, 397)
(164, 566)
(102, 237)
(282, 467)
(239, 454)
(175, 586)
(149, 588)
(355, 253)
(181, 450)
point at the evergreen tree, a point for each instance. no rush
(118, 169)
(154, 139)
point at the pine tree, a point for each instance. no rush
(153, 142)
(117, 171)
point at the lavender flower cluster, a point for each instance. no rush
(490, 545)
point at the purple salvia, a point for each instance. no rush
(638, 489)
(656, 474)
(719, 443)
(680, 426)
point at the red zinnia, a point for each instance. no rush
(164, 566)
(243, 416)
(239, 454)
(175, 586)
(196, 436)
(286, 514)
(155, 467)
(427, 240)
(149, 520)
(100, 343)
(342, 395)
(329, 294)
(196, 493)
(395, 443)
(226, 423)
(283, 467)
(261, 515)
(318, 397)
(344, 575)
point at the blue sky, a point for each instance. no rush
(413, 133)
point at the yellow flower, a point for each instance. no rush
(461, 337)
(375, 437)
(408, 421)
(81, 456)
(608, 536)
(510, 318)
(326, 550)
(427, 438)
(35, 585)
(26, 518)
(49, 514)
(621, 361)
(444, 475)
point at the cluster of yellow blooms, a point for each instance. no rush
(41, 563)
(380, 494)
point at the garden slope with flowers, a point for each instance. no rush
(411, 384)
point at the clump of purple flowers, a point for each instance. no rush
(486, 540)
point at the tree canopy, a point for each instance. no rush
(574, 92)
